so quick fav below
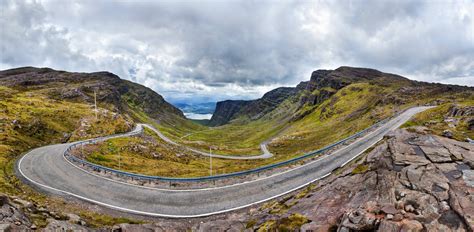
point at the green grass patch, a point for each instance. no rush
(361, 168)
(438, 120)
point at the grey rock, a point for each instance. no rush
(5, 227)
(56, 225)
(437, 154)
(468, 177)
(447, 134)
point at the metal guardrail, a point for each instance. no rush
(70, 157)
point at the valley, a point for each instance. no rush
(41, 106)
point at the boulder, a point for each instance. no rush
(57, 225)
(411, 226)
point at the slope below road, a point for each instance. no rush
(46, 168)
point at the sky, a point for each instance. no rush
(205, 51)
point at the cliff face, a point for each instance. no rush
(226, 110)
(112, 92)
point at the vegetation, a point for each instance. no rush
(361, 168)
(438, 119)
(290, 223)
(351, 109)
(30, 118)
(148, 154)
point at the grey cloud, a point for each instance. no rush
(213, 50)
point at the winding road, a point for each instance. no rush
(263, 146)
(46, 168)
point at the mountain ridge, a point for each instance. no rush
(322, 85)
(120, 94)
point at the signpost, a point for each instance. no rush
(95, 104)
(210, 161)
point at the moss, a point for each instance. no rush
(303, 193)
(361, 168)
(290, 223)
(250, 224)
(99, 220)
(269, 225)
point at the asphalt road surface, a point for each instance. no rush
(47, 169)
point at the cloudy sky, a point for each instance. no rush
(216, 50)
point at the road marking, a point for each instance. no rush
(159, 214)
(195, 215)
(197, 189)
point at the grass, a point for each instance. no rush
(312, 132)
(351, 109)
(361, 168)
(150, 155)
(434, 120)
(290, 223)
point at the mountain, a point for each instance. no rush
(322, 85)
(111, 92)
(40, 106)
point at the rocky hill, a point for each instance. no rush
(112, 92)
(322, 85)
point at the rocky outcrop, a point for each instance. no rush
(410, 182)
(458, 111)
(15, 214)
(12, 217)
(420, 181)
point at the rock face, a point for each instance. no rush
(414, 183)
(225, 111)
(12, 217)
(409, 182)
(457, 111)
(110, 89)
